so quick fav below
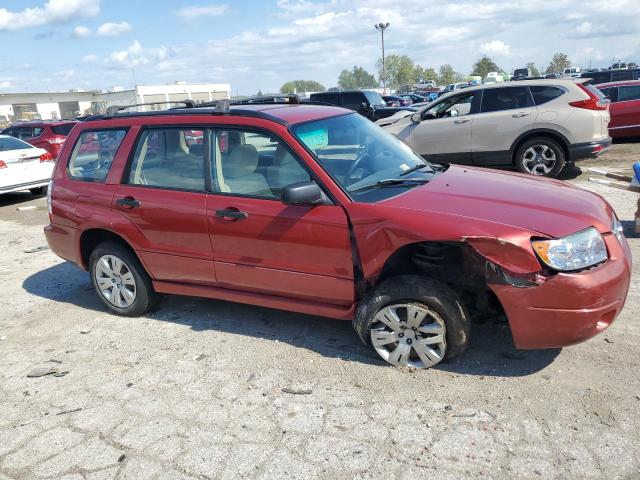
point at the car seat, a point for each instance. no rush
(284, 171)
(239, 171)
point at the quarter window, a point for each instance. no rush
(544, 93)
(93, 155)
(254, 164)
(169, 158)
(505, 98)
(628, 92)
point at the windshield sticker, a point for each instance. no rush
(314, 137)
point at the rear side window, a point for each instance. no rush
(170, 158)
(628, 92)
(62, 129)
(606, 92)
(8, 143)
(37, 131)
(506, 98)
(545, 93)
(93, 155)
(332, 98)
(24, 132)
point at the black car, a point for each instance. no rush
(367, 103)
(617, 75)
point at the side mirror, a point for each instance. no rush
(305, 193)
(416, 117)
(364, 106)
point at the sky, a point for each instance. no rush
(57, 45)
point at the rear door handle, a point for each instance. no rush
(519, 115)
(461, 121)
(231, 213)
(128, 202)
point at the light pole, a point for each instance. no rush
(382, 27)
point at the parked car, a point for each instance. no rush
(314, 209)
(23, 166)
(47, 134)
(572, 72)
(396, 101)
(521, 73)
(415, 97)
(536, 126)
(453, 86)
(367, 103)
(617, 75)
(624, 108)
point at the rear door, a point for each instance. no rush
(444, 134)
(505, 114)
(163, 193)
(262, 245)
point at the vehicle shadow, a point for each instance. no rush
(491, 350)
(13, 198)
(569, 173)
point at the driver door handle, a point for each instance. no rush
(461, 121)
(519, 115)
(232, 214)
(128, 202)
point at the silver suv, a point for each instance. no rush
(537, 126)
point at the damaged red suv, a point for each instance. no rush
(314, 209)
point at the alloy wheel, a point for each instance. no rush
(115, 281)
(539, 159)
(409, 335)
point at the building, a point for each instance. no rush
(68, 105)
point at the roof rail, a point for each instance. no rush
(113, 110)
(290, 98)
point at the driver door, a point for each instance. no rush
(444, 134)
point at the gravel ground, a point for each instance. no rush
(208, 389)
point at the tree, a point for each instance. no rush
(483, 66)
(558, 63)
(259, 94)
(446, 74)
(296, 86)
(535, 72)
(356, 78)
(398, 71)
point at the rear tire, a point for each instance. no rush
(413, 321)
(540, 156)
(120, 280)
(38, 190)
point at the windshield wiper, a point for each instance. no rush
(419, 166)
(389, 182)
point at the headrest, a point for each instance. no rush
(282, 156)
(242, 161)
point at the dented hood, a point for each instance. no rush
(550, 207)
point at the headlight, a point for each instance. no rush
(573, 252)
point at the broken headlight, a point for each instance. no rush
(573, 252)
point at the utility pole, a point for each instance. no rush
(382, 27)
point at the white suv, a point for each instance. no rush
(537, 126)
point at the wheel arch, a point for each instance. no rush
(540, 132)
(93, 237)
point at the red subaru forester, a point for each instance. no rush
(315, 209)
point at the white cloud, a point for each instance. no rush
(5, 84)
(81, 32)
(136, 55)
(111, 29)
(194, 12)
(90, 58)
(496, 47)
(53, 12)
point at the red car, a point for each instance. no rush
(47, 134)
(314, 209)
(624, 108)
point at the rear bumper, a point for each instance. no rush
(580, 151)
(569, 307)
(24, 186)
(64, 242)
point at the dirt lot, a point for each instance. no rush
(195, 390)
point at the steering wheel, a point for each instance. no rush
(360, 158)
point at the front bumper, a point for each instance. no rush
(580, 151)
(569, 307)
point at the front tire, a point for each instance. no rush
(120, 280)
(38, 190)
(540, 156)
(413, 321)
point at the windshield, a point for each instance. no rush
(375, 99)
(358, 153)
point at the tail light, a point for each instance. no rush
(592, 103)
(2, 164)
(46, 157)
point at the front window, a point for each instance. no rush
(457, 106)
(358, 154)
